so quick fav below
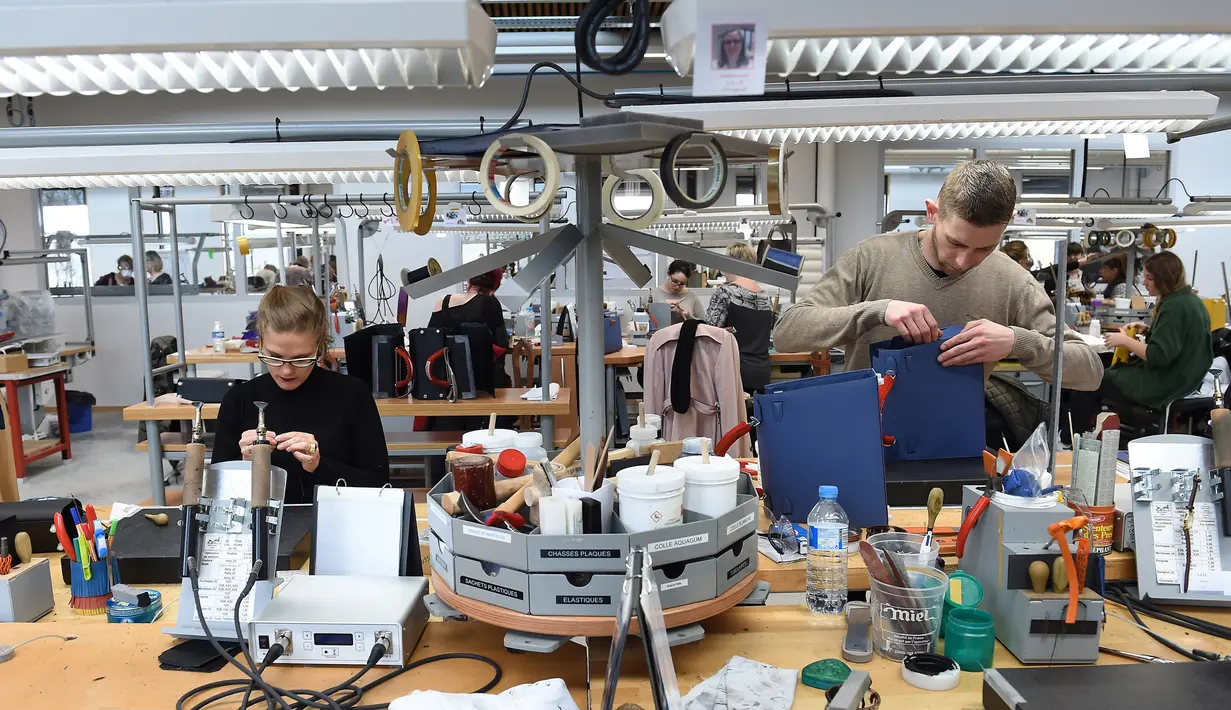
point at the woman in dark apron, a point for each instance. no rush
(742, 307)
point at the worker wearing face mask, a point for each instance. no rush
(913, 283)
(122, 276)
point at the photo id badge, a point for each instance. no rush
(730, 50)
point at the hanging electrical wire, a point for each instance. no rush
(382, 291)
(590, 22)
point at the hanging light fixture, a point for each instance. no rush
(147, 46)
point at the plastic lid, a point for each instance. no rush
(634, 479)
(654, 420)
(692, 445)
(502, 439)
(829, 492)
(527, 439)
(720, 469)
(642, 433)
(511, 463)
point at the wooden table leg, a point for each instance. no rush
(19, 452)
(62, 417)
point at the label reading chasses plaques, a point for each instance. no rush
(827, 538)
(226, 562)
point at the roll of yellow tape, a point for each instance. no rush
(551, 175)
(1168, 238)
(658, 199)
(425, 219)
(1149, 237)
(407, 181)
(776, 181)
(242, 243)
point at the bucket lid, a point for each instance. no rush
(642, 433)
(720, 469)
(528, 440)
(654, 420)
(634, 479)
(692, 445)
(501, 439)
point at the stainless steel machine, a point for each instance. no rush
(1036, 626)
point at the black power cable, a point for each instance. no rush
(590, 22)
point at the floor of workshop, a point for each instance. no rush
(105, 468)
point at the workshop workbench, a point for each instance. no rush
(26, 452)
(115, 665)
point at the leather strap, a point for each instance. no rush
(681, 367)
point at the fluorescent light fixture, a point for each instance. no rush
(1209, 206)
(294, 163)
(1090, 208)
(1136, 146)
(146, 46)
(946, 117)
(970, 36)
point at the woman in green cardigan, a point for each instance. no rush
(1172, 361)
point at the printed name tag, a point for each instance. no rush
(674, 585)
(679, 542)
(487, 533)
(746, 520)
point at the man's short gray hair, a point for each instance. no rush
(981, 192)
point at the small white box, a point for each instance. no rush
(25, 592)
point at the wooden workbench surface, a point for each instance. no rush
(506, 401)
(33, 372)
(116, 666)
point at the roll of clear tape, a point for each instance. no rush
(658, 199)
(508, 194)
(408, 181)
(1125, 238)
(666, 170)
(551, 175)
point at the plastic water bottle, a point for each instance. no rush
(220, 338)
(827, 528)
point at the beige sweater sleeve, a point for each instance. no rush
(1034, 330)
(833, 313)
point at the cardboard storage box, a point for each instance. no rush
(491, 583)
(735, 563)
(441, 559)
(13, 362)
(575, 594)
(686, 582)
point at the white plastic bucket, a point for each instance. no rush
(493, 443)
(650, 502)
(709, 488)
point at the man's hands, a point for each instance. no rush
(914, 321)
(979, 341)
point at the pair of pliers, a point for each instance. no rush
(976, 511)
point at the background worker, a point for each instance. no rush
(323, 425)
(1113, 273)
(1172, 361)
(153, 269)
(1019, 252)
(122, 276)
(684, 303)
(912, 283)
(741, 304)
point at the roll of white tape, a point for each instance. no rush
(934, 674)
(551, 175)
(658, 199)
(1125, 238)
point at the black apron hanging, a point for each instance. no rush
(752, 328)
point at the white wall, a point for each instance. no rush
(19, 212)
(1201, 163)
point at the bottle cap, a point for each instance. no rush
(828, 492)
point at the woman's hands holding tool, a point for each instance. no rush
(1119, 340)
(980, 341)
(248, 439)
(303, 446)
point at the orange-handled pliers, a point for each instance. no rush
(1058, 531)
(62, 535)
(976, 511)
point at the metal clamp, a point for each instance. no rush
(1182, 481)
(1218, 483)
(1145, 484)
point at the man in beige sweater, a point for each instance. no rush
(913, 283)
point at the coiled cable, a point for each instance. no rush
(590, 22)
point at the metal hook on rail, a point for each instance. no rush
(325, 206)
(474, 198)
(278, 204)
(366, 210)
(251, 212)
(305, 207)
(387, 210)
(348, 204)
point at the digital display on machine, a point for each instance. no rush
(334, 639)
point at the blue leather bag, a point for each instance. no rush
(613, 339)
(932, 411)
(823, 431)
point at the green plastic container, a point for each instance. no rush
(970, 638)
(972, 596)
